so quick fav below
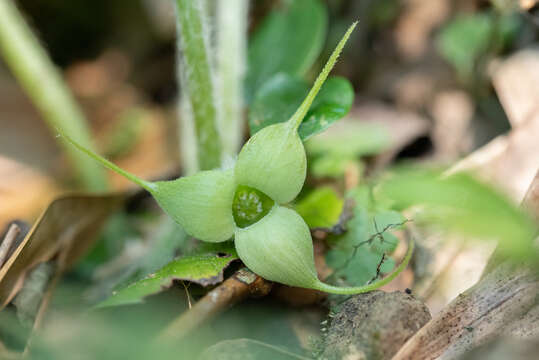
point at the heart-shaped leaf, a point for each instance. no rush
(279, 98)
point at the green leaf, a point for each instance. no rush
(359, 269)
(321, 208)
(356, 254)
(204, 269)
(279, 98)
(289, 40)
(332, 165)
(247, 349)
(352, 139)
(464, 40)
(462, 204)
(333, 103)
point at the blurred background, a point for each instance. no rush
(426, 66)
(444, 78)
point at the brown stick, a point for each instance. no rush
(238, 287)
(8, 242)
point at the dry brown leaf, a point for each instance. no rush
(452, 111)
(419, 18)
(69, 224)
(516, 81)
(510, 161)
(24, 191)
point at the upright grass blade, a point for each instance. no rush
(300, 113)
(231, 36)
(45, 87)
(197, 81)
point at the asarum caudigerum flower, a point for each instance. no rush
(248, 202)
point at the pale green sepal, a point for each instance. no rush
(201, 203)
(279, 248)
(274, 162)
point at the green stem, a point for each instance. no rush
(375, 285)
(197, 81)
(44, 85)
(231, 55)
(300, 113)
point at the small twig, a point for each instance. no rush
(8, 242)
(378, 267)
(189, 303)
(239, 286)
(377, 235)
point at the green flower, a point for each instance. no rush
(248, 201)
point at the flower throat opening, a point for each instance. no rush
(250, 205)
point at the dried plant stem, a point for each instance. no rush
(44, 85)
(197, 82)
(239, 286)
(8, 242)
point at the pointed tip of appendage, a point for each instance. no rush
(106, 163)
(300, 113)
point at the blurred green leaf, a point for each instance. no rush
(464, 40)
(331, 165)
(461, 203)
(125, 133)
(247, 349)
(169, 237)
(352, 139)
(201, 269)
(321, 208)
(331, 152)
(289, 40)
(356, 254)
(279, 98)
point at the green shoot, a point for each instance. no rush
(43, 83)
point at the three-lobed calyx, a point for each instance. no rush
(247, 202)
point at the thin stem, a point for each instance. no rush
(44, 85)
(197, 81)
(231, 55)
(375, 285)
(108, 164)
(300, 113)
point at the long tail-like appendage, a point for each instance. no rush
(106, 163)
